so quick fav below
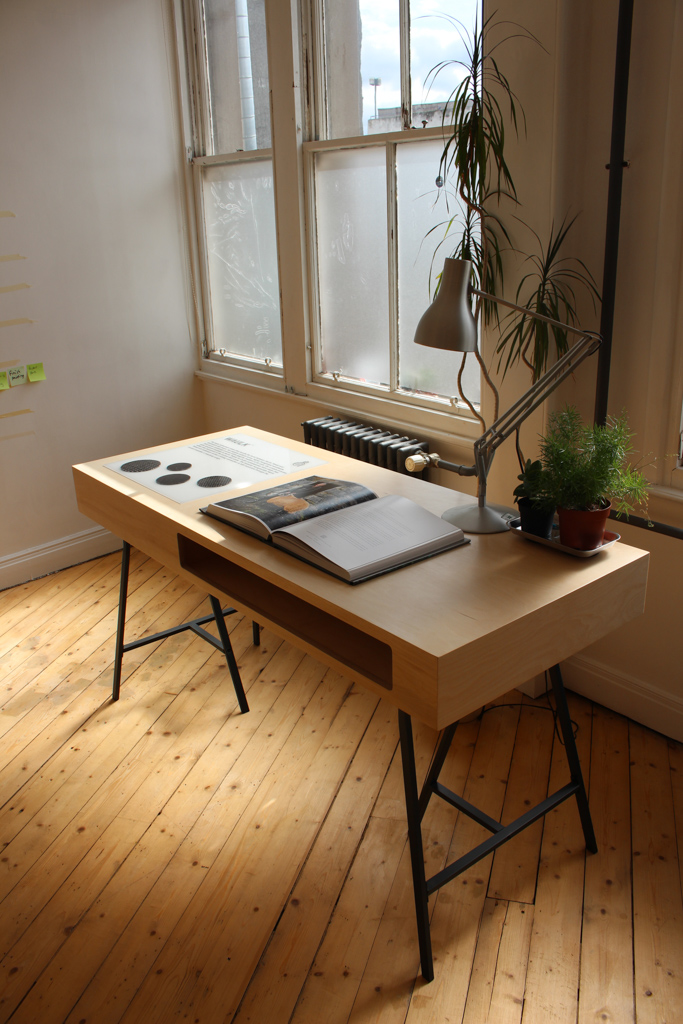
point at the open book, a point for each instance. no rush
(339, 526)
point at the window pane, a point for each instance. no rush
(423, 369)
(362, 44)
(243, 280)
(238, 75)
(437, 39)
(352, 263)
(363, 61)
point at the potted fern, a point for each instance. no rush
(587, 473)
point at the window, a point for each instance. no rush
(344, 226)
(233, 179)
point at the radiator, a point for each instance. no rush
(376, 445)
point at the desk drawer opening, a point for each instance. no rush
(363, 654)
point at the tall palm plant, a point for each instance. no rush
(481, 113)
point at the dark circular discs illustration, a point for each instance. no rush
(172, 478)
(214, 481)
(140, 465)
(178, 467)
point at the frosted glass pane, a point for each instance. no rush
(238, 75)
(242, 259)
(421, 369)
(352, 263)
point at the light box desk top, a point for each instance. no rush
(438, 638)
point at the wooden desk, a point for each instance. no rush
(438, 639)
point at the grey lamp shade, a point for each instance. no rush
(448, 323)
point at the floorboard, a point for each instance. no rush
(166, 858)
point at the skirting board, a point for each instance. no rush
(57, 554)
(644, 703)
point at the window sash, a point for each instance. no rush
(393, 389)
(272, 366)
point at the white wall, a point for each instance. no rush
(89, 171)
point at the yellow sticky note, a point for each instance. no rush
(4, 383)
(17, 375)
(36, 372)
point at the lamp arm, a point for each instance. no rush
(486, 445)
(531, 313)
(511, 420)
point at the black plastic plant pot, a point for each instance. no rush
(538, 521)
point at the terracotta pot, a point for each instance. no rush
(583, 530)
(535, 520)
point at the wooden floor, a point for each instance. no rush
(166, 858)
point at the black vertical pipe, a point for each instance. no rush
(609, 274)
(616, 173)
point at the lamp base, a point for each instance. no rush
(474, 519)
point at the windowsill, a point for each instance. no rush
(445, 429)
(256, 376)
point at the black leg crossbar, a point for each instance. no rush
(417, 805)
(217, 614)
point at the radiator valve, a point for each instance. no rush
(421, 460)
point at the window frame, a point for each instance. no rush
(295, 118)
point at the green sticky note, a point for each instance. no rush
(4, 383)
(36, 372)
(17, 375)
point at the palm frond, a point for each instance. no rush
(552, 280)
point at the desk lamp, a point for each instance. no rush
(449, 324)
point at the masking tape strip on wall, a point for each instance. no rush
(13, 287)
(17, 412)
(24, 433)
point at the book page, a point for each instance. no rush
(369, 534)
(294, 502)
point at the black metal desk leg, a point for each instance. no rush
(435, 770)
(195, 625)
(120, 629)
(229, 654)
(405, 729)
(573, 758)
